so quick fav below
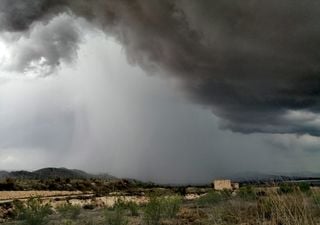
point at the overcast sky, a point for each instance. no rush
(134, 101)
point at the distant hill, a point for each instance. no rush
(4, 174)
(251, 177)
(53, 173)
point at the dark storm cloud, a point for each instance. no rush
(253, 62)
(46, 46)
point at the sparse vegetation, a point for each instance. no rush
(161, 208)
(32, 212)
(285, 188)
(68, 210)
(133, 208)
(116, 216)
(247, 193)
(152, 211)
(171, 206)
(304, 187)
(287, 204)
(210, 199)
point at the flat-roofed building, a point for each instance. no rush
(220, 185)
(224, 184)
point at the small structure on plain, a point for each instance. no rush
(220, 185)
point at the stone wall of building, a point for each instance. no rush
(222, 184)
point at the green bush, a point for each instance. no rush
(68, 210)
(285, 188)
(120, 204)
(32, 212)
(211, 198)
(130, 205)
(115, 216)
(133, 208)
(247, 193)
(304, 187)
(171, 206)
(153, 211)
(161, 208)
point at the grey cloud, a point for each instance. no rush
(45, 47)
(250, 61)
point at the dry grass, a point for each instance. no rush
(295, 208)
(219, 208)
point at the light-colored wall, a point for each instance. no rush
(222, 184)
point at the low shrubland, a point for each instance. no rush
(68, 210)
(287, 204)
(159, 208)
(32, 212)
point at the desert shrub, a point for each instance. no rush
(127, 205)
(161, 208)
(226, 193)
(238, 214)
(273, 209)
(120, 204)
(170, 206)
(133, 208)
(115, 217)
(304, 187)
(291, 209)
(285, 188)
(152, 211)
(211, 198)
(68, 210)
(33, 212)
(247, 193)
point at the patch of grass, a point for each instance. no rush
(161, 208)
(171, 206)
(152, 211)
(127, 205)
(316, 199)
(115, 216)
(68, 210)
(133, 208)
(247, 193)
(120, 204)
(304, 187)
(273, 209)
(210, 199)
(285, 188)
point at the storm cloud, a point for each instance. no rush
(254, 63)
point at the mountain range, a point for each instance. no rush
(53, 173)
